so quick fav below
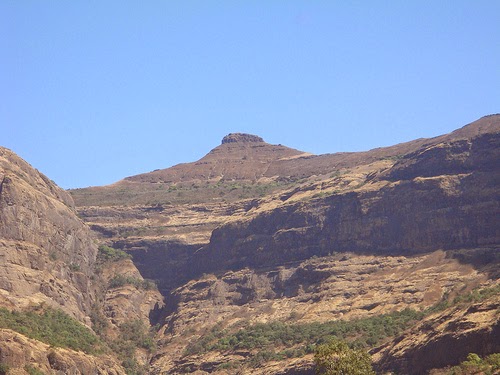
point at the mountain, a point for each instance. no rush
(239, 157)
(261, 252)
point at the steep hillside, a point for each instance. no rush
(297, 305)
(244, 166)
(441, 197)
(48, 252)
(239, 157)
(53, 283)
(260, 237)
(470, 328)
(242, 160)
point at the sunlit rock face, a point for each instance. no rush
(48, 252)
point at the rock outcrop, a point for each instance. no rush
(49, 259)
(444, 339)
(239, 157)
(342, 286)
(47, 252)
(241, 137)
(20, 354)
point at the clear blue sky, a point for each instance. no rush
(94, 91)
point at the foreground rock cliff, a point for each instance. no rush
(48, 253)
(50, 284)
(262, 234)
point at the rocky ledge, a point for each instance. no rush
(241, 137)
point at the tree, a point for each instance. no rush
(336, 358)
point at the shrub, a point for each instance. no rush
(99, 321)
(121, 280)
(476, 365)
(137, 332)
(300, 339)
(4, 369)
(477, 295)
(33, 370)
(229, 365)
(53, 327)
(133, 334)
(75, 267)
(264, 356)
(336, 358)
(297, 339)
(281, 334)
(110, 254)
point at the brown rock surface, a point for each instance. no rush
(239, 157)
(129, 302)
(249, 160)
(444, 339)
(49, 258)
(343, 286)
(18, 351)
(47, 252)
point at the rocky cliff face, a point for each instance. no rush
(20, 353)
(47, 252)
(473, 329)
(49, 260)
(426, 208)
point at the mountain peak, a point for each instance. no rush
(241, 138)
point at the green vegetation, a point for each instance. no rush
(229, 365)
(33, 370)
(121, 280)
(57, 329)
(136, 332)
(4, 369)
(109, 254)
(75, 267)
(99, 321)
(133, 335)
(474, 296)
(300, 339)
(53, 327)
(476, 365)
(337, 358)
(278, 340)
